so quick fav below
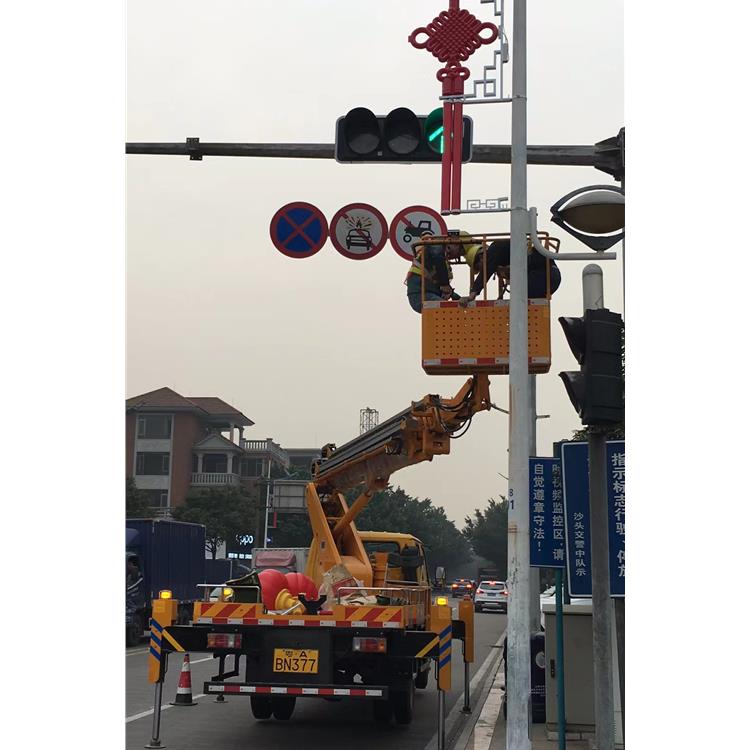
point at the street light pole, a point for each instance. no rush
(266, 504)
(518, 639)
(604, 712)
(535, 619)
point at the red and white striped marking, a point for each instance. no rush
(434, 304)
(298, 623)
(447, 361)
(269, 690)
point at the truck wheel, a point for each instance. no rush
(422, 678)
(403, 704)
(283, 708)
(261, 707)
(134, 631)
(382, 711)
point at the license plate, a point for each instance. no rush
(295, 661)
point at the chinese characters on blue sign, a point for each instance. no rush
(547, 547)
(575, 471)
(616, 502)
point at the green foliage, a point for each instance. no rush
(224, 511)
(293, 530)
(487, 532)
(395, 511)
(297, 472)
(615, 432)
(136, 501)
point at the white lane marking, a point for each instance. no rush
(145, 651)
(164, 707)
(485, 726)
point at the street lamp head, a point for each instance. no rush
(597, 212)
(595, 215)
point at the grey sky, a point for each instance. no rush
(301, 345)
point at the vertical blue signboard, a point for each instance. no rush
(575, 471)
(616, 503)
(546, 513)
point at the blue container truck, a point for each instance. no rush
(171, 555)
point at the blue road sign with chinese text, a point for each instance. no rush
(546, 514)
(616, 505)
(575, 471)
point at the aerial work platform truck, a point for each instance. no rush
(375, 639)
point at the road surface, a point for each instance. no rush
(315, 723)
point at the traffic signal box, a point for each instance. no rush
(400, 136)
(597, 391)
(463, 340)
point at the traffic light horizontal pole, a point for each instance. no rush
(576, 156)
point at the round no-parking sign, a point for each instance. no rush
(410, 224)
(358, 231)
(299, 230)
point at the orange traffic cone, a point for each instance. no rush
(184, 695)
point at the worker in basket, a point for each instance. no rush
(437, 274)
(498, 262)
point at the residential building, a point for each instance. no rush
(175, 443)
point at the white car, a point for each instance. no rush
(548, 597)
(491, 595)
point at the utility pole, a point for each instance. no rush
(519, 634)
(535, 619)
(604, 714)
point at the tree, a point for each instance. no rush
(292, 530)
(224, 511)
(487, 532)
(394, 510)
(136, 501)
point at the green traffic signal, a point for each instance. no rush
(399, 137)
(433, 128)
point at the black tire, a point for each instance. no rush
(477, 607)
(261, 706)
(421, 680)
(403, 704)
(134, 631)
(407, 238)
(382, 711)
(283, 708)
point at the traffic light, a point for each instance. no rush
(597, 391)
(400, 136)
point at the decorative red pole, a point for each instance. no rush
(453, 36)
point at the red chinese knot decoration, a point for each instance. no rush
(453, 36)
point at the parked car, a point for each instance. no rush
(462, 586)
(491, 595)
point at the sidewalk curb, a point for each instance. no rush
(456, 720)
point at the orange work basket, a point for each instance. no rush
(462, 340)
